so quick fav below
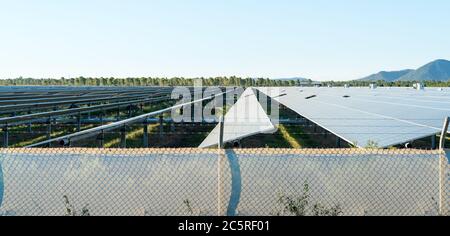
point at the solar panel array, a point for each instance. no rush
(361, 116)
(246, 118)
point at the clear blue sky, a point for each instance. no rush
(319, 39)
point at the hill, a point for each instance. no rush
(438, 70)
(386, 75)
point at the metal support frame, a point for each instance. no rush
(101, 139)
(5, 136)
(49, 130)
(123, 137)
(220, 163)
(116, 125)
(433, 142)
(55, 108)
(161, 126)
(224, 102)
(221, 130)
(145, 136)
(89, 113)
(101, 136)
(338, 142)
(192, 114)
(444, 133)
(78, 122)
(443, 163)
(102, 113)
(172, 127)
(130, 111)
(29, 123)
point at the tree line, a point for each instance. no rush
(216, 81)
(148, 81)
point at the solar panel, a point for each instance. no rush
(384, 116)
(245, 118)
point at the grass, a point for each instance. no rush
(35, 140)
(131, 137)
(288, 137)
(285, 137)
(295, 137)
(43, 137)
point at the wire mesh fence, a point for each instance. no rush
(196, 182)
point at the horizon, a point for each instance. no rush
(320, 40)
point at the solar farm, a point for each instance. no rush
(224, 151)
(140, 117)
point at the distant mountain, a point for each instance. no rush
(386, 75)
(438, 70)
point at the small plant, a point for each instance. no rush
(354, 144)
(296, 206)
(437, 208)
(299, 206)
(191, 210)
(372, 144)
(319, 210)
(70, 209)
(187, 203)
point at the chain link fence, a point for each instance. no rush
(196, 182)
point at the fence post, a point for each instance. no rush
(442, 167)
(444, 134)
(220, 161)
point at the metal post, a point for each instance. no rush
(49, 130)
(29, 123)
(444, 134)
(433, 142)
(89, 113)
(79, 122)
(118, 113)
(101, 139)
(161, 126)
(443, 162)
(221, 129)
(55, 108)
(145, 138)
(172, 127)
(192, 114)
(338, 142)
(224, 101)
(220, 163)
(102, 113)
(5, 136)
(130, 113)
(123, 137)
